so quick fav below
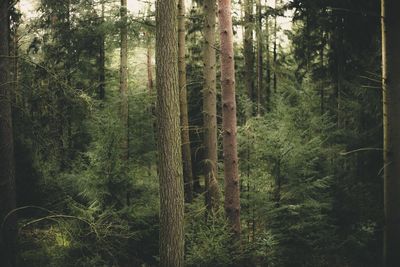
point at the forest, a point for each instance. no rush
(199, 133)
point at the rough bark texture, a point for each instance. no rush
(232, 190)
(259, 57)
(248, 48)
(7, 173)
(210, 108)
(123, 87)
(186, 153)
(169, 136)
(391, 125)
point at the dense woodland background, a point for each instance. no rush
(83, 92)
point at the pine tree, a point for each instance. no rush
(391, 113)
(231, 172)
(124, 79)
(169, 136)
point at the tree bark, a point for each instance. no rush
(232, 190)
(186, 153)
(268, 63)
(248, 49)
(169, 136)
(124, 109)
(275, 49)
(7, 172)
(391, 127)
(259, 57)
(210, 108)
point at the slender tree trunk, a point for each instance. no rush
(275, 52)
(268, 63)
(210, 108)
(102, 59)
(248, 48)
(232, 190)
(259, 57)
(150, 85)
(169, 136)
(123, 87)
(391, 113)
(186, 156)
(7, 172)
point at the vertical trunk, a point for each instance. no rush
(7, 176)
(102, 59)
(123, 87)
(248, 48)
(275, 52)
(268, 63)
(186, 156)
(150, 85)
(259, 57)
(232, 192)
(321, 59)
(210, 108)
(169, 136)
(391, 113)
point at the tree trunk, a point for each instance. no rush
(275, 52)
(7, 172)
(391, 127)
(186, 156)
(259, 57)
(210, 108)
(102, 59)
(232, 191)
(124, 109)
(248, 49)
(268, 63)
(169, 136)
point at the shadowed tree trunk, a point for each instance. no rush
(169, 136)
(210, 108)
(123, 86)
(391, 127)
(232, 190)
(259, 57)
(186, 156)
(102, 59)
(7, 172)
(248, 48)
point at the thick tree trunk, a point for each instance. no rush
(123, 87)
(232, 190)
(186, 153)
(259, 57)
(210, 108)
(248, 48)
(169, 136)
(7, 172)
(391, 127)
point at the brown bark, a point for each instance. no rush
(124, 109)
(259, 57)
(232, 190)
(7, 172)
(268, 63)
(150, 85)
(210, 108)
(169, 136)
(391, 127)
(186, 153)
(248, 48)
